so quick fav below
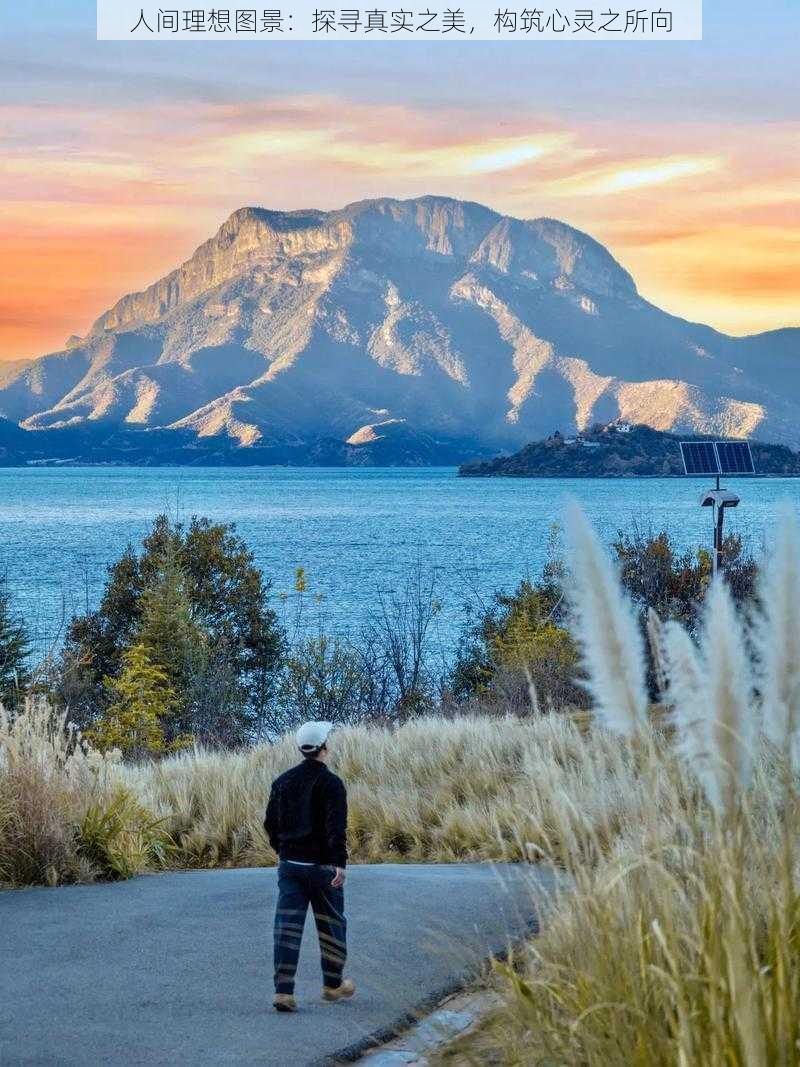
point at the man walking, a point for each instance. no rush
(306, 823)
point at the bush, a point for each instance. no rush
(674, 583)
(325, 678)
(36, 839)
(520, 654)
(385, 672)
(38, 795)
(120, 838)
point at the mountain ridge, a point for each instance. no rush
(442, 316)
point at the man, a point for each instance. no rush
(306, 823)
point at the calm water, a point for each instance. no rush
(354, 531)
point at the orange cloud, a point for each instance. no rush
(635, 174)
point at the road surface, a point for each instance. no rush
(176, 968)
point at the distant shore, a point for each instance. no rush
(619, 450)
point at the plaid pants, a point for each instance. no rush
(299, 886)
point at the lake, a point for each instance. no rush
(355, 531)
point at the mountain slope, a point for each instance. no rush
(465, 327)
(11, 368)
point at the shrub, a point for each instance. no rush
(38, 794)
(64, 815)
(387, 671)
(520, 656)
(520, 653)
(399, 643)
(324, 678)
(673, 583)
(121, 838)
(36, 839)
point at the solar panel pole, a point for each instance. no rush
(718, 458)
(719, 515)
(718, 500)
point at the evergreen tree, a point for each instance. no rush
(142, 702)
(14, 649)
(167, 629)
(174, 642)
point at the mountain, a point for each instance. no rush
(11, 368)
(418, 331)
(617, 451)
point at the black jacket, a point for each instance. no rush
(306, 816)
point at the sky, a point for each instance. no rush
(118, 159)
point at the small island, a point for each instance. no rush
(617, 450)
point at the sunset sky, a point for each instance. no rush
(117, 160)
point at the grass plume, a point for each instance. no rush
(605, 626)
(681, 944)
(778, 639)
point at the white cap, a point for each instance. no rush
(312, 735)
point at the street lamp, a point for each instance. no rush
(718, 499)
(717, 458)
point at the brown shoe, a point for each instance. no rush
(342, 992)
(284, 1002)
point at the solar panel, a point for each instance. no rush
(699, 457)
(734, 457)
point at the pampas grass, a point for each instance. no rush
(64, 816)
(681, 944)
(605, 626)
(715, 716)
(778, 640)
(431, 790)
(731, 711)
(688, 696)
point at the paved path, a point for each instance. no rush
(175, 968)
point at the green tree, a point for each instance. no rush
(166, 627)
(233, 635)
(525, 637)
(14, 650)
(141, 703)
(521, 640)
(174, 642)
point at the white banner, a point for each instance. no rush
(304, 20)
